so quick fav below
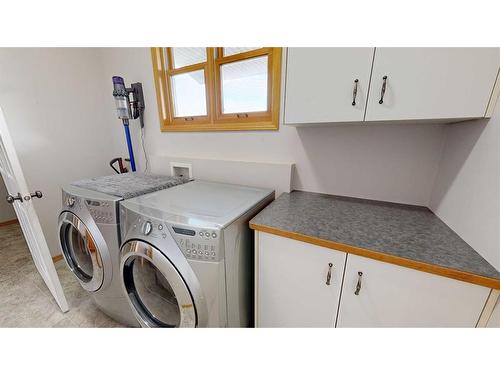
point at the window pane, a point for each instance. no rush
(244, 86)
(184, 56)
(228, 51)
(188, 91)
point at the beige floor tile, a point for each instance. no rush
(24, 305)
(64, 323)
(25, 300)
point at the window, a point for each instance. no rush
(213, 89)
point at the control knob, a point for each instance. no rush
(147, 228)
(70, 201)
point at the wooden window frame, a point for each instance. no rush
(215, 120)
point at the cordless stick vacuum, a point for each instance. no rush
(128, 109)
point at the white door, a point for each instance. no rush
(13, 176)
(327, 84)
(431, 83)
(298, 284)
(394, 296)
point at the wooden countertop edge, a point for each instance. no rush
(373, 254)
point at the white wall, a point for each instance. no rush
(6, 210)
(466, 195)
(59, 108)
(53, 101)
(386, 162)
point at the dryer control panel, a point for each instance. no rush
(195, 243)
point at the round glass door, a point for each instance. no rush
(80, 251)
(157, 292)
(152, 293)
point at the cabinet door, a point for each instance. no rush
(394, 296)
(494, 321)
(291, 280)
(320, 84)
(432, 83)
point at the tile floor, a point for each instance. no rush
(25, 301)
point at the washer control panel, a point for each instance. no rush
(71, 202)
(147, 228)
(101, 211)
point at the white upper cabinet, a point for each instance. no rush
(431, 83)
(426, 84)
(377, 294)
(327, 84)
(297, 284)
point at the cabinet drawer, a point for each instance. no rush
(291, 283)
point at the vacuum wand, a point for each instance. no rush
(129, 145)
(127, 109)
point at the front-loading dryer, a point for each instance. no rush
(187, 254)
(90, 239)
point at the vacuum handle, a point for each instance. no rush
(122, 169)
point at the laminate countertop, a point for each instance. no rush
(406, 235)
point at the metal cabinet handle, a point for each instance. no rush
(11, 199)
(384, 84)
(355, 91)
(329, 274)
(358, 285)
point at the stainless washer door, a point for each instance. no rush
(80, 251)
(157, 293)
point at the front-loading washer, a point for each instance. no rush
(90, 239)
(187, 254)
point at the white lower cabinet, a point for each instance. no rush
(394, 296)
(494, 321)
(293, 288)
